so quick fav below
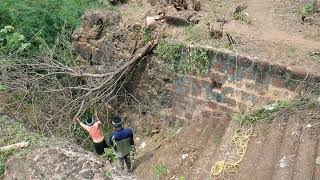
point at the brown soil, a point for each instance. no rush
(275, 32)
(283, 149)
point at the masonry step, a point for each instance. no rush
(222, 150)
(271, 146)
(255, 145)
(306, 153)
(212, 144)
(283, 166)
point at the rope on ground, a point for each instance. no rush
(240, 139)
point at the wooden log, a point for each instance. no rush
(19, 145)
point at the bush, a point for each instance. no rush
(40, 20)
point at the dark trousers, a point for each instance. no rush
(126, 159)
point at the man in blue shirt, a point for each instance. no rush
(122, 141)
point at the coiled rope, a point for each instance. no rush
(240, 139)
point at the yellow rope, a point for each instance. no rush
(241, 140)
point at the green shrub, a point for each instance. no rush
(159, 170)
(182, 60)
(307, 9)
(40, 20)
(11, 41)
(109, 155)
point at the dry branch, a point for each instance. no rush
(11, 147)
(67, 90)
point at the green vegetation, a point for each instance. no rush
(307, 9)
(190, 33)
(269, 112)
(11, 133)
(109, 155)
(40, 22)
(183, 60)
(242, 17)
(147, 34)
(159, 171)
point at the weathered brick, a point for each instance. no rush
(231, 71)
(216, 77)
(227, 90)
(206, 114)
(244, 61)
(278, 69)
(195, 88)
(298, 72)
(230, 101)
(218, 67)
(250, 86)
(277, 82)
(217, 114)
(247, 75)
(226, 109)
(212, 105)
(247, 96)
(188, 115)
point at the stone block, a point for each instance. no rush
(227, 90)
(278, 69)
(247, 74)
(218, 67)
(278, 82)
(244, 62)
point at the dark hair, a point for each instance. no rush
(116, 121)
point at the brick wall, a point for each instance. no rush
(229, 86)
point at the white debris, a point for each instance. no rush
(178, 131)
(318, 160)
(318, 99)
(184, 156)
(309, 125)
(142, 145)
(258, 142)
(137, 139)
(283, 162)
(272, 106)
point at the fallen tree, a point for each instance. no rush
(65, 91)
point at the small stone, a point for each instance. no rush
(318, 160)
(184, 156)
(142, 145)
(283, 162)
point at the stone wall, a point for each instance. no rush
(232, 84)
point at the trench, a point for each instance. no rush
(203, 103)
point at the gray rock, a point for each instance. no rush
(60, 161)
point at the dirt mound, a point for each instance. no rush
(103, 39)
(61, 160)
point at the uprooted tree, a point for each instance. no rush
(75, 88)
(54, 91)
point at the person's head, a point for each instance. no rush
(117, 122)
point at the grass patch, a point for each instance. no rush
(147, 34)
(159, 171)
(182, 60)
(190, 33)
(41, 21)
(11, 133)
(270, 111)
(307, 9)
